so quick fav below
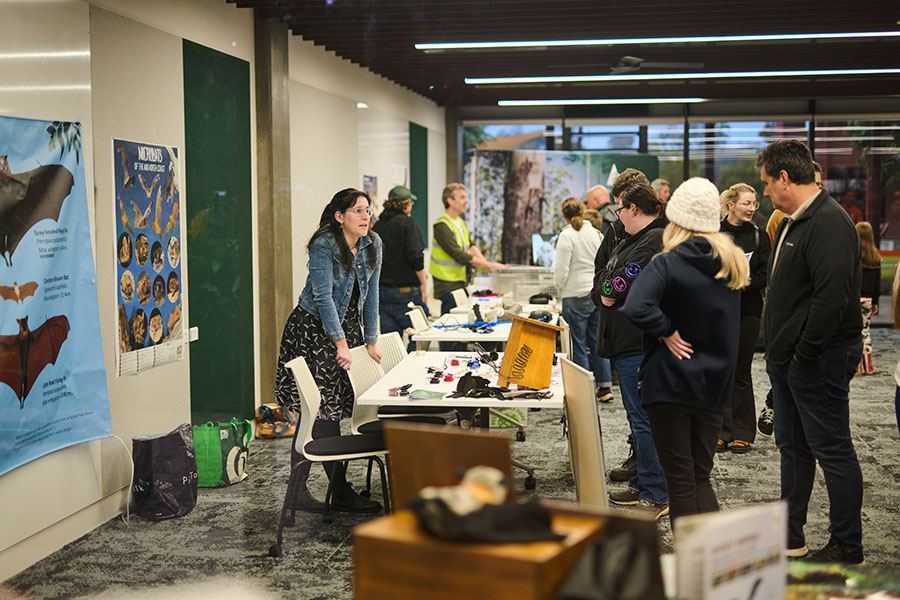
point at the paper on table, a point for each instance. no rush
(426, 395)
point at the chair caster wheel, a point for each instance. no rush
(465, 424)
(327, 519)
(289, 521)
(520, 436)
(275, 550)
(530, 482)
(366, 494)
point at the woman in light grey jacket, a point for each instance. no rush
(575, 251)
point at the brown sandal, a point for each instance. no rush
(721, 446)
(740, 447)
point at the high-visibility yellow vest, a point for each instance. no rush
(442, 264)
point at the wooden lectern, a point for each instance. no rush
(528, 358)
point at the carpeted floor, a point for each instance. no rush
(221, 547)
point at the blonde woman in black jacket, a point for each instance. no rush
(688, 306)
(739, 204)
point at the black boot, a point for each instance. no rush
(627, 469)
(303, 500)
(343, 497)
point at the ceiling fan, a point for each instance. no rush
(630, 64)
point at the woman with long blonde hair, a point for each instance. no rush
(687, 303)
(869, 291)
(739, 204)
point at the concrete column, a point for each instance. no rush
(274, 193)
(454, 144)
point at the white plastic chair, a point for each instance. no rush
(364, 373)
(585, 438)
(328, 449)
(392, 352)
(565, 338)
(460, 297)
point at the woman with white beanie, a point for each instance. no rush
(687, 303)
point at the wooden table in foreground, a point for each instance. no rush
(394, 558)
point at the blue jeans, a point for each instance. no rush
(583, 317)
(392, 309)
(812, 422)
(650, 480)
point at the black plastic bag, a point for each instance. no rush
(165, 474)
(618, 567)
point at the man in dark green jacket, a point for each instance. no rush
(813, 343)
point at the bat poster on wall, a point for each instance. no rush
(52, 375)
(149, 294)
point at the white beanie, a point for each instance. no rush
(695, 206)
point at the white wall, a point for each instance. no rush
(359, 141)
(56, 499)
(383, 151)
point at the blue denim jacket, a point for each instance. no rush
(329, 285)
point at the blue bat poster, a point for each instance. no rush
(148, 256)
(52, 375)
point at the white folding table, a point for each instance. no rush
(414, 370)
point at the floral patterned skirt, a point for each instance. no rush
(304, 336)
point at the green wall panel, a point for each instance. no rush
(418, 175)
(219, 237)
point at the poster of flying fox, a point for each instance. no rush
(52, 374)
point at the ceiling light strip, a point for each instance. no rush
(45, 88)
(699, 39)
(670, 76)
(599, 101)
(43, 55)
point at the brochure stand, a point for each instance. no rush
(528, 358)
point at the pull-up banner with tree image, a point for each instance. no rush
(52, 375)
(148, 256)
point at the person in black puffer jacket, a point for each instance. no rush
(739, 205)
(687, 305)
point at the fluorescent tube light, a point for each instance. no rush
(44, 88)
(596, 101)
(42, 55)
(670, 76)
(699, 39)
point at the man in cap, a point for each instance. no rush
(403, 277)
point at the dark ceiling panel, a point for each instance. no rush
(380, 35)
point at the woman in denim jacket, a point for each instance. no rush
(338, 309)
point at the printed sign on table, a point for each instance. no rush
(148, 256)
(53, 391)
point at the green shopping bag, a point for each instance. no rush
(221, 451)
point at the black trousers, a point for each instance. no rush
(739, 421)
(685, 439)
